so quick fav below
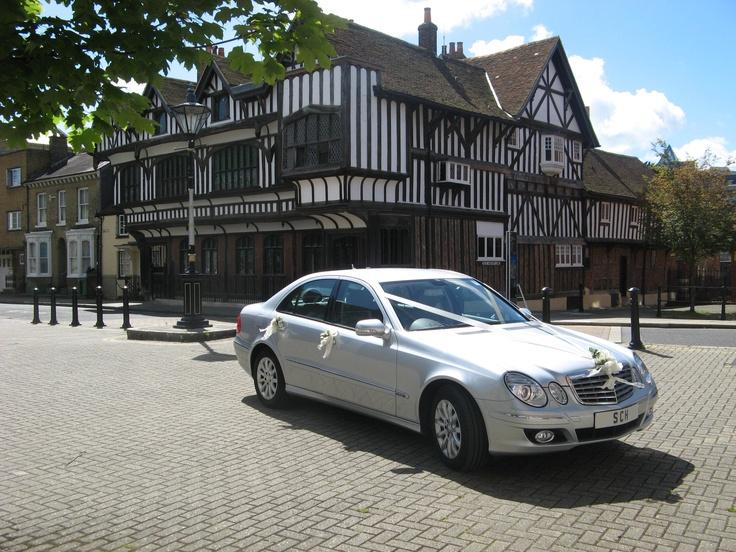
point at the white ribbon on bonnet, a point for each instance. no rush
(606, 365)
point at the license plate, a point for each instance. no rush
(612, 418)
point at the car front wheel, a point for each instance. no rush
(458, 430)
(269, 379)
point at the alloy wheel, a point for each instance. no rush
(447, 429)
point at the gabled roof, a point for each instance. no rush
(615, 174)
(221, 67)
(514, 73)
(172, 91)
(413, 71)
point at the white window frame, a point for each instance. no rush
(556, 145)
(491, 235)
(455, 172)
(513, 140)
(122, 226)
(568, 255)
(42, 212)
(577, 151)
(14, 220)
(82, 208)
(76, 267)
(61, 207)
(13, 177)
(634, 215)
(34, 240)
(604, 212)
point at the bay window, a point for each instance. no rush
(313, 140)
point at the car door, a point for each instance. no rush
(304, 312)
(363, 367)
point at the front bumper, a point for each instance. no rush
(511, 424)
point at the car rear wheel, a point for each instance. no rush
(269, 379)
(458, 430)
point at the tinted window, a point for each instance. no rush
(354, 302)
(310, 300)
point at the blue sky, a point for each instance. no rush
(648, 69)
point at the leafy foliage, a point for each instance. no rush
(68, 71)
(692, 211)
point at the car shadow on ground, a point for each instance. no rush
(604, 473)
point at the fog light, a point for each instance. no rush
(544, 436)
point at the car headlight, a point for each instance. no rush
(640, 372)
(557, 392)
(525, 389)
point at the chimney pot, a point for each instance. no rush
(428, 33)
(452, 48)
(221, 52)
(444, 50)
(460, 49)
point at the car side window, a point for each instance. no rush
(310, 300)
(354, 302)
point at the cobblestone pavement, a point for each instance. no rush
(107, 444)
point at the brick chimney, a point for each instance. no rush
(428, 33)
(58, 149)
(456, 51)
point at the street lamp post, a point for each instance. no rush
(191, 117)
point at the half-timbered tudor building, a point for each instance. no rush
(394, 156)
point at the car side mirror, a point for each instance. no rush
(373, 328)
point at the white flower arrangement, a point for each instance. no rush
(606, 365)
(276, 325)
(326, 340)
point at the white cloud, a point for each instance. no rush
(540, 32)
(131, 86)
(486, 47)
(624, 121)
(401, 17)
(716, 148)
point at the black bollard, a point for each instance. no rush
(99, 323)
(53, 321)
(659, 301)
(545, 304)
(635, 331)
(75, 308)
(126, 309)
(36, 317)
(581, 294)
(723, 302)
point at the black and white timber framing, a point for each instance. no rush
(377, 166)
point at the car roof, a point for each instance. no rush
(380, 275)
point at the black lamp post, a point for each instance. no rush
(191, 117)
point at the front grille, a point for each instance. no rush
(589, 390)
(592, 434)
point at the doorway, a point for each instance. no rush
(623, 275)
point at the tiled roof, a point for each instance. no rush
(614, 174)
(413, 71)
(77, 164)
(232, 77)
(513, 73)
(174, 91)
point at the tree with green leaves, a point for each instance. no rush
(691, 212)
(68, 69)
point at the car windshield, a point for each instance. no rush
(463, 297)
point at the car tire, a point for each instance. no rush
(268, 379)
(457, 429)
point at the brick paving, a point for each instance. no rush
(107, 444)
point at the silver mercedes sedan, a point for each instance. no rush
(441, 353)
